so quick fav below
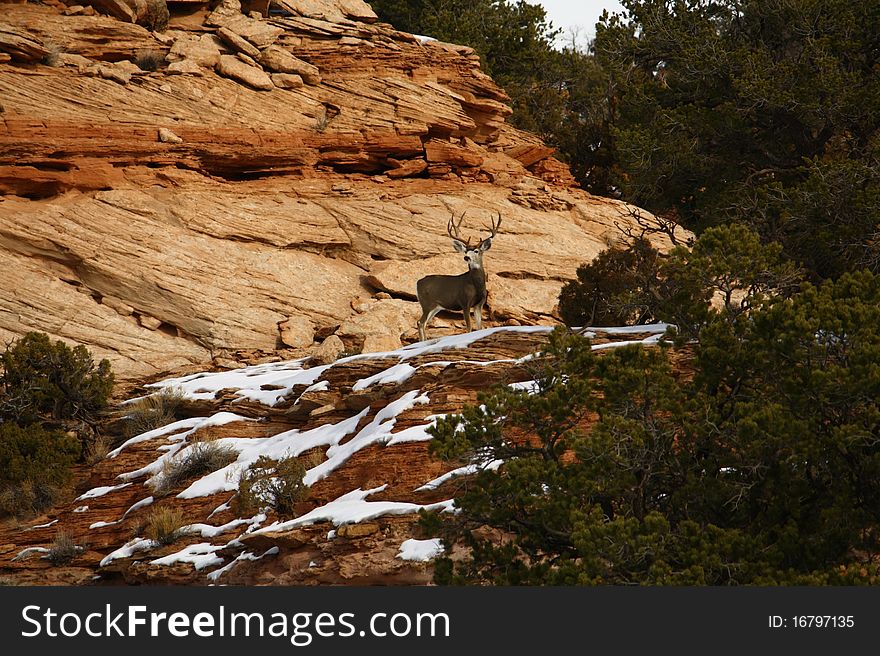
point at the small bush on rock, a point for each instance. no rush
(163, 525)
(200, 459)
(151, 412)
(274, 483)
(62, 550)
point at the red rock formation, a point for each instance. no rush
(360, 546)
(290, 166)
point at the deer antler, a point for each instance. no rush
(453, 229)
(494, 229)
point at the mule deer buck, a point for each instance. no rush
(463, 292)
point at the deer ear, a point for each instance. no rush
(457, 245)
(485, 245)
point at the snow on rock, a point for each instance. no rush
(269, 384)
(396, 374)
(248, 383)
(288, 443)
(246, 555)
(137, 506)
(46, 525)
(30, 551)
(352, 508)
(129, 549)
(420, 550)
(100, 491)
(378, 430)
(188, 426)
(208, 531)
(200, 555)
(103, 524)
(467, 470)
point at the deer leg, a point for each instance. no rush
(478, 313)
(427, 315)
(467, 318)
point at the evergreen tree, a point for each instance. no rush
(754, 112)
(757, 464)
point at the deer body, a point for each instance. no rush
(466, 291)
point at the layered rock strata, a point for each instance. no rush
(174, 199)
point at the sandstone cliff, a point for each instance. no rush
(280, 180)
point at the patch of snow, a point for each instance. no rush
(288, 443)
(190, 426)
(103, 524)
(418, 433)
(352, 508)
(467, 470)
(331, 534)
(80, 509)
(529, 386)
(396, 374)
(24, 553)
(173, 427)
(129, 549)
(462, 340)
(654, 328)
(46, 525)
(221, 508)
(154, 469)
(420, 550)
(377, 431)
(247, 555)
(248, 382)
(200, 555)
(137, 506)
(208, 531)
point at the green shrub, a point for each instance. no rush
(34, 467)
(618, 287)
(163, 525)
(200, 459)
(274, 483)
(41, 380)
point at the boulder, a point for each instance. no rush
(329, 350)
(228, 15)
(184, 67)
(406, 168)
(124, 10)
(287, 80)
(330, 10)
(236, 69)
(380, 325)
(238, 43)
(167, 136)
(297, 331)
(279, 60)
(203, 50)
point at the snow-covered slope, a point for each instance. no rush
(360, 424)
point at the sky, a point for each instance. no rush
(579, 15)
